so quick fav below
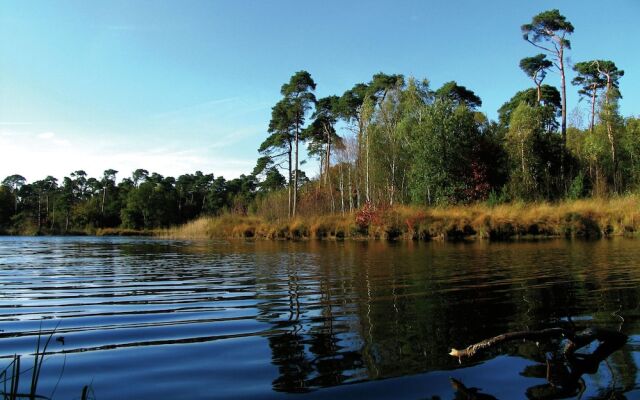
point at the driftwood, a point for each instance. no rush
(575, 340)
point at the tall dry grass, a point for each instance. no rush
(578, 218)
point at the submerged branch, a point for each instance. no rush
(575, 340)
(471, 350)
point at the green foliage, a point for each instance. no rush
(321, 134)
(85, 204)
(351, 102)
(536, 67)
(495, 198)
(6, 207)
(150, 205)
(630, 144)
(138, 176)
(550, 102)
(588, 78)
(524, 128)
(273, 181)
(577, 187)
(535, 155)
(609, 72)
(14, 182)
(546, 25)
(458, 95)
(442, 147)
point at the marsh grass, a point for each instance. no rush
(591, 218)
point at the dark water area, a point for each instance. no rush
(148, 319)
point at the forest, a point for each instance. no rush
(393, 141)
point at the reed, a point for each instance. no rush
(10, 376)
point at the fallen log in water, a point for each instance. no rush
(575, 340)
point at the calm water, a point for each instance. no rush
(150, 319)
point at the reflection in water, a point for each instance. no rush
(253, 320)
(564, 375)
(562, 370)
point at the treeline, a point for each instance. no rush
(405, 142)
(82, 204)
(392, 140)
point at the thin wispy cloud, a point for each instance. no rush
(29, 154)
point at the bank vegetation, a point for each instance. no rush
(587, 218)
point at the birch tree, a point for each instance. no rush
(590, 82)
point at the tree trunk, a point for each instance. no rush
(104, 197)
(367, 169)
(563, 86)
(39, 212)
(321, 171)
(295, 174)
(563, 126)
(289, 182)
(522, 158)
(328, 160)
(610, 132)
(392, 185)
(341, 189)
(593, 110)
(333, 200)
(350, 192)
(402, 185)
(358, 166)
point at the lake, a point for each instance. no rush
(147, 319)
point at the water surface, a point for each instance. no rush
(146, 319)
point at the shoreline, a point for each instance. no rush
(589, 218)
(586, 218)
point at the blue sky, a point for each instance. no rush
(177, 86)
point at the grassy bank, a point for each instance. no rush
(579, 218)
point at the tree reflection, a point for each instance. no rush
(306, 346)
(364, 311)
